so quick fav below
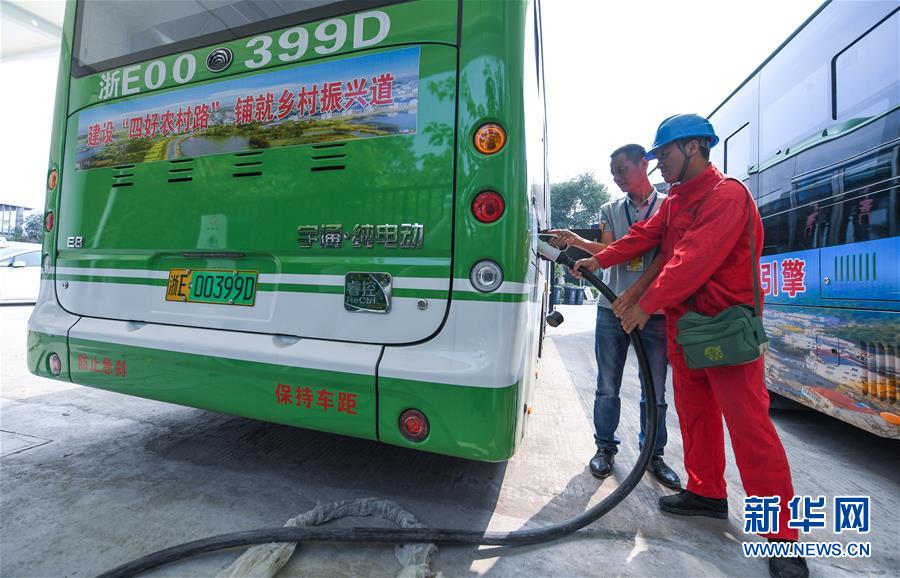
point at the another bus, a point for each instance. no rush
(319, 213)
(815, 134)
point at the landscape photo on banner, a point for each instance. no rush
(354, 98)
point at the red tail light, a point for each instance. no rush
(414, 425)
(48, 222)
(488, 206)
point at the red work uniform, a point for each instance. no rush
(705, 265)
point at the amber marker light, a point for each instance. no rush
(490, 138)
(52, 178)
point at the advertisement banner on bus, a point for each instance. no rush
(355, 98)
(791, 278)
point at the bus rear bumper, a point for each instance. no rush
(299, 382)
(314, 384)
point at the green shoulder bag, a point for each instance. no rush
(734, 336)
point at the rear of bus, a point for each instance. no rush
(278, 210)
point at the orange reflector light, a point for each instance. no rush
(51, 179)
(490, 138)
(413, 425)
(488, 206)
(48, 222)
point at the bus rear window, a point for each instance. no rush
(113, 33)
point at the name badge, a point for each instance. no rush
(635, 265)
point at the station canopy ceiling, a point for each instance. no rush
(30, 28)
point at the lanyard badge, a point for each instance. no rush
(636, 265)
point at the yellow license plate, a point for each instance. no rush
(212, 286)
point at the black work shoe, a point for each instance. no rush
(686, 503)
(793, 567)
(663, 473)
(789, 567)
(602, 463)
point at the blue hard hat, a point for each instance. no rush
(682, 126)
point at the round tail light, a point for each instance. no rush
(490, 138)
(48, 222)
(414, 425)
(488, 206)
(51, 179)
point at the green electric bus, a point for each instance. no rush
(319, 213)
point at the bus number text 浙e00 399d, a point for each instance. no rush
(293, 44)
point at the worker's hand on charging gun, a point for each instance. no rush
(588, 264)
(625, 300)
(633, 317)
(564, 238)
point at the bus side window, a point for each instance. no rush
(814, 188)
(865, 210)
(865, 218)
(870, 171)
(794, 101)
(812, 224)
(774, 209)
(865, 73)
(776, 232)
(812, 219)
(737, 152)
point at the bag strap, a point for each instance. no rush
(757, 305)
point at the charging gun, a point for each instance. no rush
(551, 253)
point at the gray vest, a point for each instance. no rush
(616, 217)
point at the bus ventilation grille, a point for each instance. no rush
(328, 157)
(248, 164)
(123, 176)
(879, 379)
(855, 268)
(181, 171)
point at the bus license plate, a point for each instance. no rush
(209, 286)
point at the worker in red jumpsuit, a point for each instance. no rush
(703, 234)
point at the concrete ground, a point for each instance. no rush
(91, 479)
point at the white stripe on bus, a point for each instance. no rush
(466, 352)
(125, 273)
(438, 284)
